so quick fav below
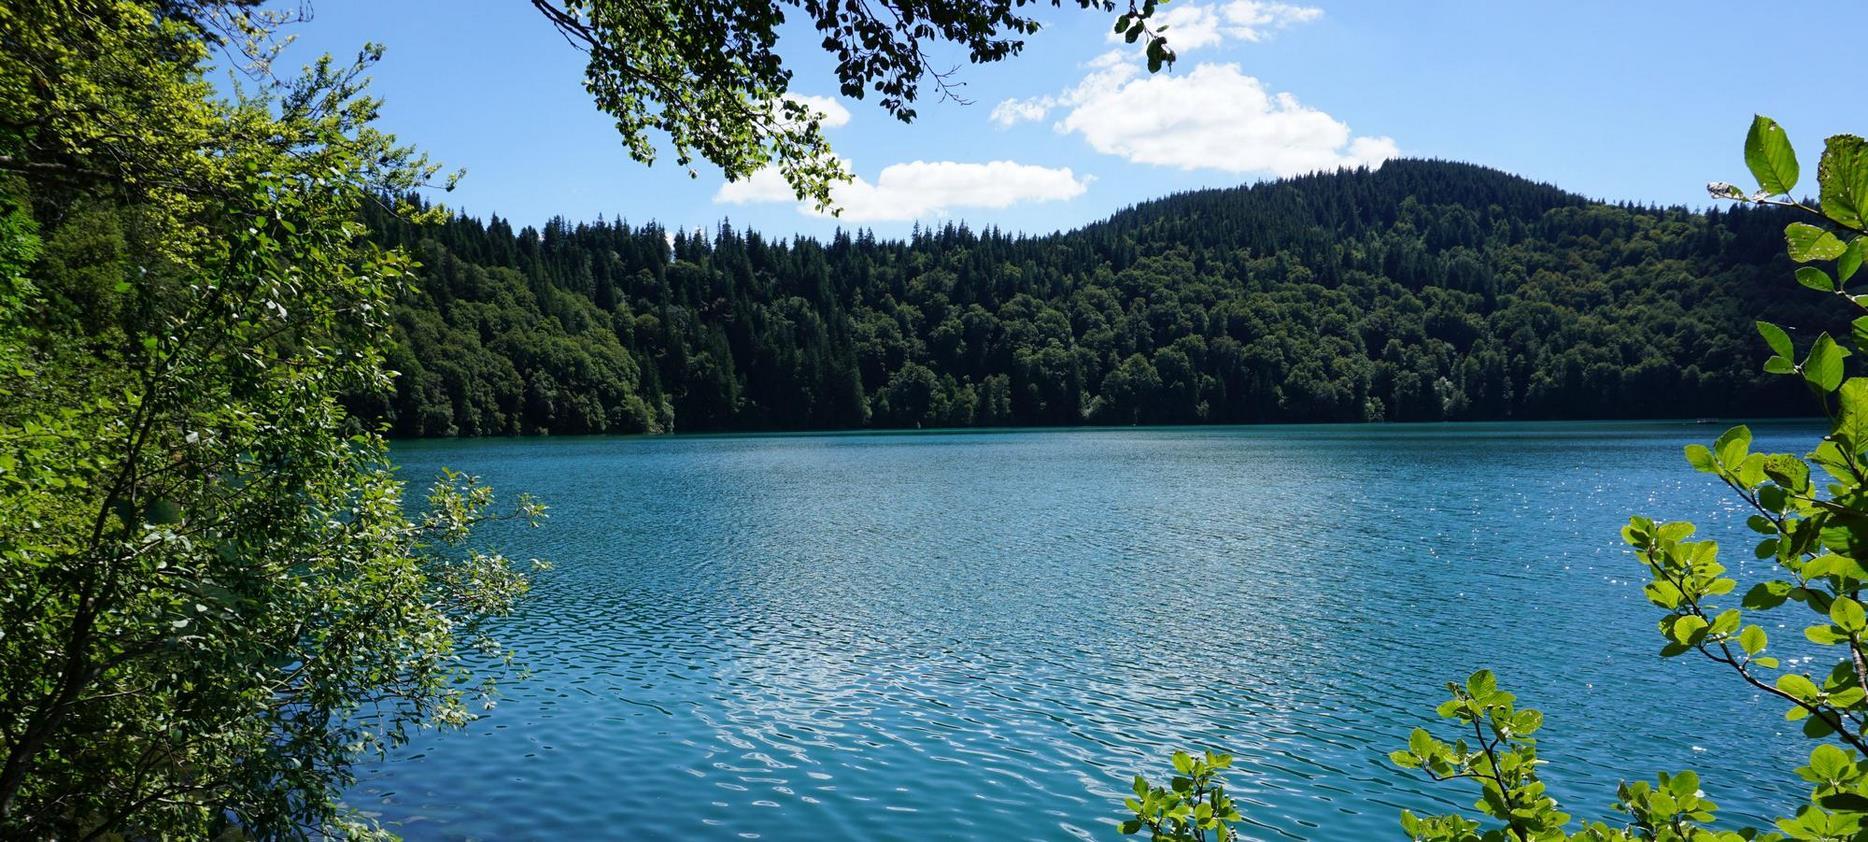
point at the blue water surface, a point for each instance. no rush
(984, 635)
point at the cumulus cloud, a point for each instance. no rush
(1195, 27)
(1216, 117)
(1213, 117)
(921, 189)
(1252, 21)
(1011, 111)
(1109, 70)
(1188, 28)
(830, 113)
(765, 185)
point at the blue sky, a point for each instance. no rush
(1642, 101)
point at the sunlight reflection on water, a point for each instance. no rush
(984, 635)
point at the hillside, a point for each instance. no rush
(1424, 290)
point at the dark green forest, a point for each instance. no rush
(1422, 291)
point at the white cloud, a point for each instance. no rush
(1212, 117)
(1188, 28)
(1108, 70)
(831, 113)
(1012, 111)
(1252, 21)
(1195, 27)
(1216, 117)
(765, 185)
(1372, 151)
(921, 189)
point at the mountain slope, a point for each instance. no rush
(1425, 290)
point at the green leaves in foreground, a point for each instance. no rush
(1823, 367)
(1193, 807)
(1769, 155)
(216, 602)
(1810, 513)
(1807, 242)
(1843, 177)
(1495, 749)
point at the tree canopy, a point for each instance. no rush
(1422, 291)
(212, 598)
(709, 77)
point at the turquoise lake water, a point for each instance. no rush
(983, 635)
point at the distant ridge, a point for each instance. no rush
(1421, 290)
(1354, 199)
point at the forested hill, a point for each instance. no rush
(1424, 290)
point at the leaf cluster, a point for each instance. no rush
(213, 599)
(1192, 807)
(1811, 515)
(708, 77)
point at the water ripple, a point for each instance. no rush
(984, 635)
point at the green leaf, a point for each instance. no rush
(1663, 593)
(1852, 421)
(1842, 176)
(1779, 365)
(1831, 564)
(1788, 471)
(1808, 242)
(1420, 742)
(1797, 686)
(1815, 279)
(1732, 445)
(1687, 628)
(1823, 367)
(1751, 471)
(1753, 639)
(1779, 340)
(1769, 155)
(1700, 458)
(1850, 260)
(1847, 614)
(1726, 622)
(1829, 762)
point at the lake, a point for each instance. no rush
(984, 635)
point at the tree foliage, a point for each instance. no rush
(1811, 515)
(1423, 291)
(709, 78)
(1193, 807)
(212, 597)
